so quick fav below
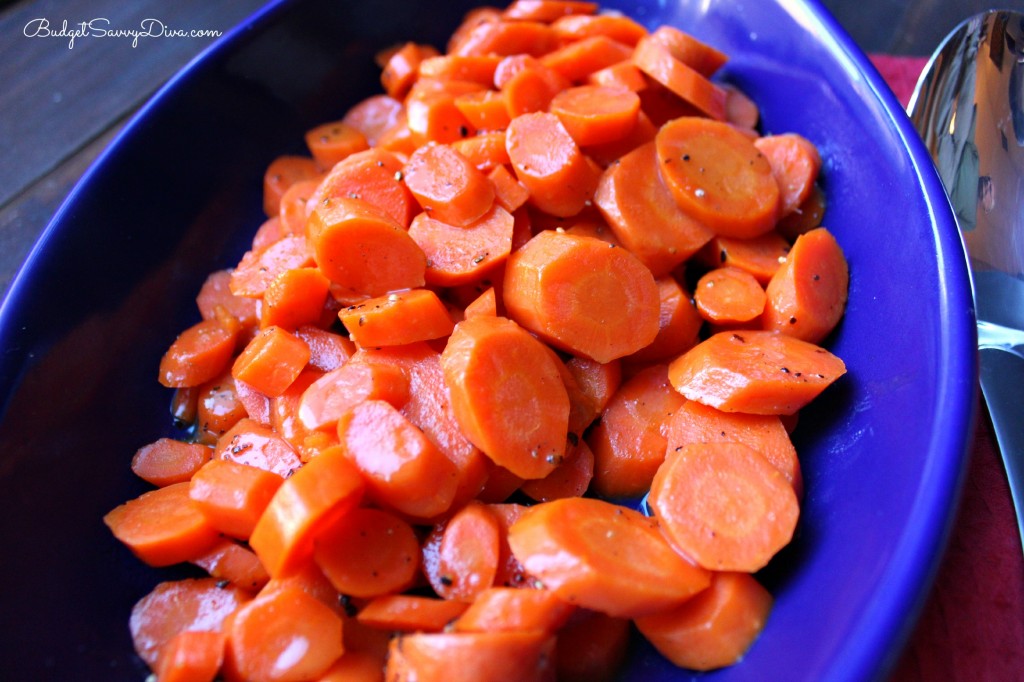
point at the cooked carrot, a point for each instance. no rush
(218, 409)
(173, 606)
(257, 269)
(162, 527)
(753, 371)
(679, 325)
(740, 110)
(616, 26)
(761, 256)
(256, 405)
(485, 304)
(805, 218)
(374, 115)
(355, 666)
(507, 394)
(729, 295)
(166, 461)
(699, 56)
(571, 478)
(550, 164)
(191, 656)
(338, 391)
(255, 444)
(576, 60)
(271, 361)
(506, 38)
(410, 613)
(282, 173)
(644, 215)
(598, 381)
(294, 298)
(795, 162)
(308, 578)
(508, 191)
(715, 628)
(656, 60)
(402, 68)
(461, 255)
(198, 354)
(500, 485)
(403, 469)
(269, 232)
(284, 417)
(475, 69)
(295, 207)
(504, 609)
(547, 10)
(447, 185)
(368, 552)
(485, 150)
(216, 293)
(331, 142)
(373, 176)
(287, 636)
(232, 561)
(807, 295)
(596, 114)
(484, 109)
(397, 319)
(748, 510)
(696, 423)
(527, 85)
(461, 556)
(361, 249)
(327, 350)
(622, 74)
(233, 496)
(592, 647)
(318, 493)
(661, 105)
(510, 571)
(582, 295)
(472, 657)
(604, 557)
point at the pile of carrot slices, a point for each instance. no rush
(552, 267)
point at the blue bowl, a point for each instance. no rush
(177, 195)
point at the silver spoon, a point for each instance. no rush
(968, 107)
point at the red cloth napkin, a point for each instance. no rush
(972, 627)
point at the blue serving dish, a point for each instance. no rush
(178, 194)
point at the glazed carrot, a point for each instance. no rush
(805, 218)
(699, 56)
(287, 636)
(198, 354)
(373, 176)
(472, 657)
(527, 85)
(461, 255)
(447, 185)
(162, 527)
(231, 561)
(368, 552)
(218, 409)
(504, 609)
(216, 293)
(500, 485)
(233, 496)
(598, 381)
(295, 207)
(410, 613)
(269, 232)
(615, 26)
(550, 164)
(317, 494)
(729, 295)
(807, 295)
(397, 319)
(571, 478)
(173, 606)
(622, 74)
(255, 444)
(696, 423)
(761, 256)
(271, 361)
(507, 38)
(643, 214)
(331, 142)
(485, 304)
(355, 666)
(756, 372)
(282, 173)
(461, 556)
(507, 394)
(475, 69)
(662, 105)
(595, 114)
(361, 249)
(308, 578)
(715, 628)
(484, 109)
(510, 571)
(795, 162)
(402, 68)
(679, 324)
(656, 60)
(509, 193)
(547, 10)
(166, 461)
(327, 350)
(294, 298)
(604, 557)
(257, 269)
(748, 509)
(332, 395)
(591, 647)
(403, 469)
(582, 295)
(257, 405)
(191, 656)
(284, 416)
(575, 61)
(740, 110)
(485, 151)
(374, 115)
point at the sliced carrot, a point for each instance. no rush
(504, 609)
(527, 85)
(472, 657)
(233, 496)
(174, 606)
(402, 68)
(592, 647)
(461, 556)
(485, 150)
(699, 56)
(271, 361)
(598, 381)
(258, 269)
(327, 350)
(485, 304)
(679, 325)
(748, 510)
(547, 10)
(484, 109)
(508, 191)
(257, 405)
(447, 185)
(295, 207)
(282, 173)
(331, 142)
(696, 423)
(368, 552)
(255, 444)
(662, 105)
(461, 255)
(308, 578)
(576, 60)
(317, 494)
(191, 656)
(805, 218)
(403, 469)
(715, 628)
(198, 354)
(506, 38)
(740, 110)
(338, 391)
(356, 666)
(757, 372)
(507, 394)
(604, 557)
(362, 249)
(615, 26)
(218, 409)
(550, 164)
(582, 295)
(476, 68)
(761, 256)
(287, 636)
(284, 417)
(571, 478)
(375, 115)
(294, 298)
(644, 215)
(166, 461)
(657, 61)
(500, 485)
(269, 232)
(622, 74)
(397, 319)
(230, 560)
(216, 293)
(410, 613)
(795, 161)
(729, 295)
(596, 114)
(373, 176)
(807, 295)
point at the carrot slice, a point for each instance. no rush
(699, 56)
(604, 557)
(715, 628)
(218, 408)
(485, 150)
(321, 491)
(191, 656)
(592, 647)
(198, 354)
(576, 60)
(507, 394)
(258, 268)
(231, 561)
(679, 324)
(476, 69)
(807, 295)
(162, 527)
(233, 496)
(373, 176)
(331, 142)
(582, 295)
(402, 68)
(747, 512)
(271, 361)
(255, 444)
(447, 185)
(506, 38)
(622, 74)
(729, 295)
(807, 217)
(761, 256)
(216, 293)
(335, 393)
(597, 381)
(356, 666)
(368, 552)
(508, 191)
(294, 298)
(795, 161)
(615, 26)
(504, 609)
(657, 61)
(547, 10)
(397, 319)
(461, 556)
(282, 173)
(527, 85)
(410, 613)
(595, 114)
(166, 461)
(374, 115)
(484, 109)
(571, 478)
(718, 176)
(327, 350)
(472, 657)
(461, 255)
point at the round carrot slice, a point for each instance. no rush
(727, 295)
(447, 185)
(595, 114)
(368, 552)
